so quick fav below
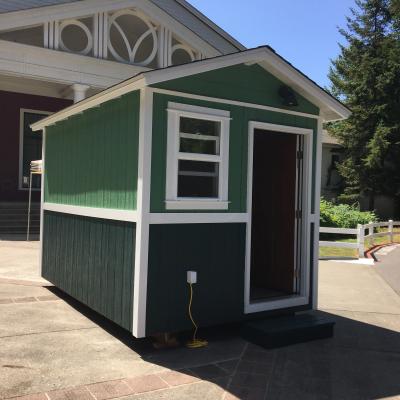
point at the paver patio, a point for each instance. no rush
(53, 348)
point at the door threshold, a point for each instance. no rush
(276, 304)
(273, 298)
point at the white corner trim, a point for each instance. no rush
(42, 185)
(143, 209)
(232, 102)
(198, 218)
(196, 205)
(316, 214)
(93, 212)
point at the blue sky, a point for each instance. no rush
(302, 31)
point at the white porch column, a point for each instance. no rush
(79, 91)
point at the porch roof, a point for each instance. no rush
(330, 108)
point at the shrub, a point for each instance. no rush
(343, 215)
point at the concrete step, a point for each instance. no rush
(18, 230)
(18, 205)
(283, 331)
(14, 218)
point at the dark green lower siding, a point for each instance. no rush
(92, 260)
(217, 253)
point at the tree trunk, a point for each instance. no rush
(371, 201)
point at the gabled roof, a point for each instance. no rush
(330, 108)
(180, 10)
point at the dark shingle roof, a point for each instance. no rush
(17, 5)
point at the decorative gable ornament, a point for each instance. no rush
(127, 36)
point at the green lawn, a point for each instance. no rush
(341, 252)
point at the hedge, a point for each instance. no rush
(343, 215)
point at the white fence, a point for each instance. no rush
(361, 236)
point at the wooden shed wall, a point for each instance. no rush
(92, 158)
(92, 260)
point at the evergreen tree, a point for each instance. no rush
(366, 76)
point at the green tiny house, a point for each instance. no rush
(210, 166)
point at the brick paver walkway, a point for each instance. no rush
(244, 378)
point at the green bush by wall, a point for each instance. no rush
(343, 215)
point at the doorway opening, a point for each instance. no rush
(276, 215)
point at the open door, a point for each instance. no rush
(275, 250)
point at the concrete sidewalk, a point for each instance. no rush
(388, 266)
(51, 347)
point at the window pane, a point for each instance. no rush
(32, 149)
(199, 126)
(198, 179)
(198, 146)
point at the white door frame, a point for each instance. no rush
(303, 297)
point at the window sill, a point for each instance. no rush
(196, 205)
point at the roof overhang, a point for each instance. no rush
(330, 108)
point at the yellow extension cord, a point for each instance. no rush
(194, 343)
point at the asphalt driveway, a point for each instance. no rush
(54, 348)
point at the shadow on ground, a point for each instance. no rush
(362, 361)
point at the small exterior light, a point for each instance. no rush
(288, 96)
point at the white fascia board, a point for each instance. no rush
(61, 67)
(130, 85)
(79, 9)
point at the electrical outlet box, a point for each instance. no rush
(191, 277)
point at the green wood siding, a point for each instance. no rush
(92, 158)
(92, 260)
(217, 253)
(238, 147)
(251, 84)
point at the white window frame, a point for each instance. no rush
(173, 202)
(22, 113)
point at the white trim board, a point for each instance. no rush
(302, 297)
(262, 55)
(233, 103)
(93, 212)
(197, 218)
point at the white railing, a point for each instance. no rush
(359, 232)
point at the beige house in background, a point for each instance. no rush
(332, 152)
(330, 178)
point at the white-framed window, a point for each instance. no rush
(197, 158)
(30, 147)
